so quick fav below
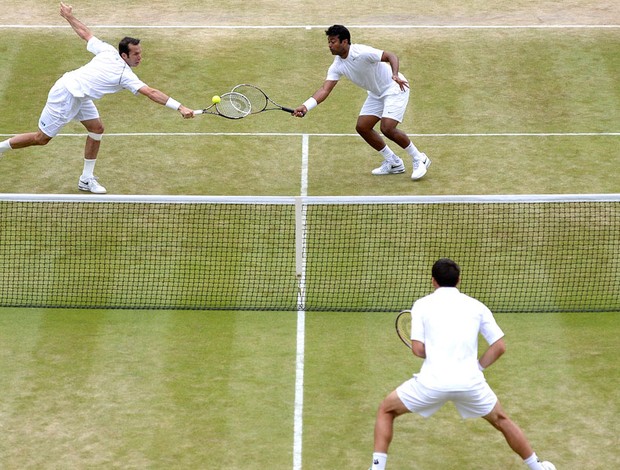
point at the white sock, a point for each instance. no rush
(378, 461)
(89, 167)
(413, 151)
(533, 463)
(387, 153)
(4, 145)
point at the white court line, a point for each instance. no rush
(296, 134)
(305, 151)
(309, 27)
(301, 324)
(299, 380)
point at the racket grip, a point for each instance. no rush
(198, 111)
(288, 110)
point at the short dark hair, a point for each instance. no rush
(123, 45)
(446, 272)
(340, 31)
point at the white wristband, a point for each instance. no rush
(310, 103)
(173, 104)
(480, 367)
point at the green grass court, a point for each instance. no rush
(499, 110)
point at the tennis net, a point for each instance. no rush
(517, 253)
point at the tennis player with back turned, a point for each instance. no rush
(444, 332)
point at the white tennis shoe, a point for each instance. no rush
(389, 167)
(420, 165)
(91, 184)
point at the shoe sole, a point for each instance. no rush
(88, 190)
(397, 172)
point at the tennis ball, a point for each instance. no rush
(216, 99)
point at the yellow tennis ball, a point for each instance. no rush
(216, 99)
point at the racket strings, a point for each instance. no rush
(258, 100)
(234, 105)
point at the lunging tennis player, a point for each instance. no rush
(377, 72)
(71, 97)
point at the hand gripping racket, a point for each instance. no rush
(403, 327)
(231, 106)
(259, 100)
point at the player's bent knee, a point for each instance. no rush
(42, 139)
(389, 131)
(96, 136)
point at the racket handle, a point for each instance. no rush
(288, 110)
(198, 111)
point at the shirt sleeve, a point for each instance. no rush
(97, 46)
(371, 54)
(130, 81)
(333, 73)
(489, 329)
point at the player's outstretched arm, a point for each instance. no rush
(318, 97)
(66, 11)
(160, 97)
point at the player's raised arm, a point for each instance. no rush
(66, 11)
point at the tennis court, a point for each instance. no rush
(501, 110)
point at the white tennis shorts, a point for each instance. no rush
(62, 107)
(390, 106)
(474, 403)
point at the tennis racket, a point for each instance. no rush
(403, 327)
(231, 106)
(259, 99)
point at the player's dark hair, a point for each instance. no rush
(446, 272)
(340, 31)
(123, 45)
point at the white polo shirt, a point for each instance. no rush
(448, 323)
(106, 73)
(363, 67)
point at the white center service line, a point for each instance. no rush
(301, 313)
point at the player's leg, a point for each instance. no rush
(390, 130)
(365, 127)
(368, 118)
(89, 117)
(49, 120)
(24, 140)
(392, 115)
(409, 397)
(390, 408)
(514, 436)
(93, 140)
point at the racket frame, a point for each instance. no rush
(218, 106)
(403, 327)
(239, 89)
